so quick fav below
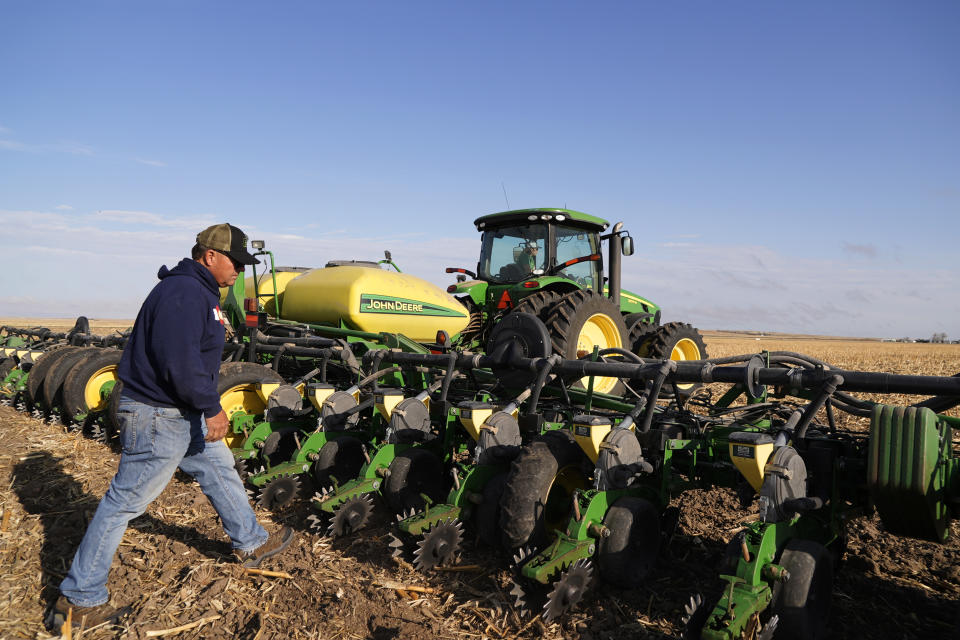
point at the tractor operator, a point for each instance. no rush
(170, 416)
(528, 257)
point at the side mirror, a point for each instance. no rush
(626, 245)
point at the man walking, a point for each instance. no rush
(170, 416)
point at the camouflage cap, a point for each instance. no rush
(227, 239)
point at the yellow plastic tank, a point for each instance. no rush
(374, 300)
(284, 276)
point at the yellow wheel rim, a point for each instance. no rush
(91, 390)
(557, 507)
(685, 349)
(240, 398)
(599, 331)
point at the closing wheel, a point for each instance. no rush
(676, 341)
(414, 472)
(803, 602)
(627, 555)
(581, 321)
(537, 496)
(52, 394)
(85, 387)
(338, 461)
(237, 388)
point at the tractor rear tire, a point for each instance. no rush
(641, 331)
(537, 495)
(413, 472)
(39, 371)
(676, 341)
(53, 382)
(626, 557)
(81, 387)
(338, 461)
(803, 601)
(582, 320)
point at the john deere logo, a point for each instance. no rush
(403, 306)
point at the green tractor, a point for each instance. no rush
(548, 262)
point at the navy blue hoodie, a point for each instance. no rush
(172, 358)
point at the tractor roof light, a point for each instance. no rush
(532, 217)
(546, 216)
(257, 244)
(560, 217)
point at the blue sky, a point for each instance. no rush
(781, 166)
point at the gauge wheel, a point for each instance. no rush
(537, 495)
(803, 601)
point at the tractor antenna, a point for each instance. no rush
(505, 194)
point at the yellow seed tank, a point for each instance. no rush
(374, 300)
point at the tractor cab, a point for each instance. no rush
(511, 253)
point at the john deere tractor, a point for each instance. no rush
(548, 262)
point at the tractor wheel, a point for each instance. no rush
(53, 382)
(537, 495)
(676, 341)
(582, 320)
(413, 472)
(539, 304)
(81, 387)
(40, 370)
(627, 555)
(640, 331)
(803, 601)
(237, 388)
(338, 461)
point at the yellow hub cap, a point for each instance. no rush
(241, 398)
(599, 331)
(91, 391)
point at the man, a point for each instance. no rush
(170, 416)
(528, 257)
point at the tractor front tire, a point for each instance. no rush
(582, 320)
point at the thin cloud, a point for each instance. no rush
(155, 219)
(72, 148)
(151, 163)
(63, 207)
(865, 250)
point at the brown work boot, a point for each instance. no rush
(276, 543)
(85, 617)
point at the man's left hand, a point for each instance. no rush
(217, 427)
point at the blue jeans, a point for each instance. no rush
(155, 441)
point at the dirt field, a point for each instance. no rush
(173, 567)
